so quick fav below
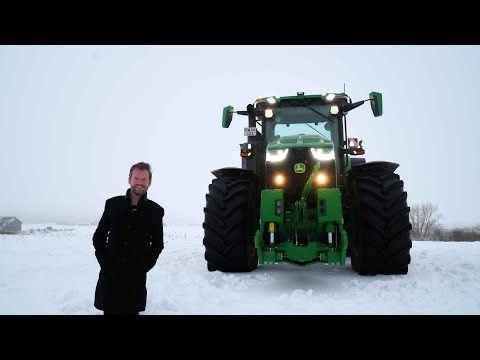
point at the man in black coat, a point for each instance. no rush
(128, 241)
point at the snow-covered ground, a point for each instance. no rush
(55, 272)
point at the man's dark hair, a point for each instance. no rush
(141, 166)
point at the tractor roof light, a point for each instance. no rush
(268, 113)
(272, 100)
(334, 110)
(331, 97)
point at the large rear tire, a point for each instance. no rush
(380, 224)
(230, 225)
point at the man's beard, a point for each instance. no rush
(141, 190)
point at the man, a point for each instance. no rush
(128, 241)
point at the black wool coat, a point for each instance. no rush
(127, 243)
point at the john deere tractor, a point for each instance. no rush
(303, 195)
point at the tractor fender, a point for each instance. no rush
(374, 166)
(237, 172)
(357, 161)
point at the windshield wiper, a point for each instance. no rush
(315, 129)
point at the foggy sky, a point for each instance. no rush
(73, 119)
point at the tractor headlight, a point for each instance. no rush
(277, 155)
(279, 180)
(323, 153)
(321, 179)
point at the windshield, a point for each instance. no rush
(319, 128)
(305, 120)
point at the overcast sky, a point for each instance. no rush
(73, 119)
(55, 273)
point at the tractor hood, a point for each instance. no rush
(300, 141)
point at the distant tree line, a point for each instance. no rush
(425, 220)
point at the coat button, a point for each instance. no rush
(123, 260)
(125, 243)
(129, 227)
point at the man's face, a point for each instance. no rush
(139, 182)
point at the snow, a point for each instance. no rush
(51, 269)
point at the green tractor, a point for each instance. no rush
(303, 196)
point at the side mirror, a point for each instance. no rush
(227, 116)
(376, 103)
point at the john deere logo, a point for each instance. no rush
(299, 168)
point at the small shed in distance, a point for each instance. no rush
(10, 225)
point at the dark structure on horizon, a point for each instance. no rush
(10, 225)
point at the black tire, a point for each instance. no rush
(230, 225)
(380, 224)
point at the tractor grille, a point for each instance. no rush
(295, 182)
